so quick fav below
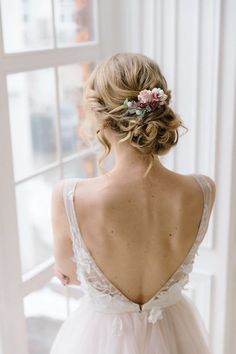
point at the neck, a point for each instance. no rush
(132, 163)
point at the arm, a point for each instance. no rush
(65, 267)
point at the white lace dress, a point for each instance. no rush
(107, 322)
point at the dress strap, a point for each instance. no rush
(207, 194)
(68, 196)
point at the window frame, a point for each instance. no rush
(12, 293)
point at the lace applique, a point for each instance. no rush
(100, 290)
(155, 314)
(84, 260)
(117, 326)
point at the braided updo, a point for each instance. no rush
(122, 76)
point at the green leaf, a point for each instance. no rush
(126, 103)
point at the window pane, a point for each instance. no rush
(27, 25)
(33, 201)
(74, 21)
(71, 80)
(84, 167)
(32, 118)
(45, 310)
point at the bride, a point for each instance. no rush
(129, 237)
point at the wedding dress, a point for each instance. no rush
(107, 322)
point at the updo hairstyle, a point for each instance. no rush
(122, 76)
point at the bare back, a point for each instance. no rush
(137, 232)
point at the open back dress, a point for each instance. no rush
(107, 322)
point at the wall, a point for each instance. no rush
(194, 43)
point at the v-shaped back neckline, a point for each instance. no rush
(167, 282)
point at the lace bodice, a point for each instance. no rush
(100, 290)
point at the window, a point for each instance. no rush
(47, 51)
(30, 25)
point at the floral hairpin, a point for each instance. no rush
(148, 101)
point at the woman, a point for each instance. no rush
(130, 236)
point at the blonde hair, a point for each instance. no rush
(122, 76)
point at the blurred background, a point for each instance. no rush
(48, 49)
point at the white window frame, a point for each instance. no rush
(12, 323)
(14, 287)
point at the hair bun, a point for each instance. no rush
(122, 77)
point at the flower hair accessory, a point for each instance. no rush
(148, 101)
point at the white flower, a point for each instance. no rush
(155, 314)
(117, 326)
(84, 260)
(187, 268)
(130, 104)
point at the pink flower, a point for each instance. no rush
(145, 96)
(156, 92)
(141, 105)
(153, 105)
(158, 95)
(148, 100)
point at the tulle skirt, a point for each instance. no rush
(180, 331)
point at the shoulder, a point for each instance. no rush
(209, 180)
(57, 201)
(192, 185)
(89, 186)
(58, 186)
(86, 191)
(58, 208)
(211, 188)
(58, 189)
(89, 193)
(57, 192)
(212, 185)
